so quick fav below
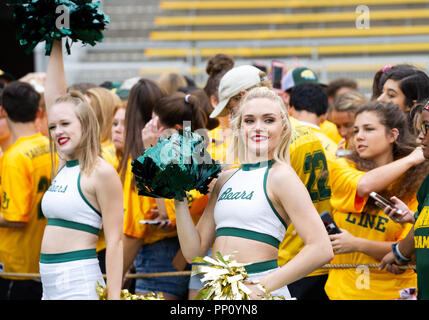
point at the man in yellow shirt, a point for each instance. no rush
(25, 172)
(309, 104)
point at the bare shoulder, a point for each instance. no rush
(104, 170)
(222, 178)
(225, 175)
(281, 171)
(282, 176)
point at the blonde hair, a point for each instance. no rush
(237, 146)
(171, 82)
(348, 101)
(89, 148)
(103, 102)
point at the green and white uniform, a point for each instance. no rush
(70, 275)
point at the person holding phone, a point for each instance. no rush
(386, 160)
(414, 243)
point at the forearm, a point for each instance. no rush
(55, 85)
(131, 247)
(371, 180)
(114, 268)
(406, 245)
(372, 248)
(189, 237)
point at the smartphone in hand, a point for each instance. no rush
(329, 223)
(383, 203)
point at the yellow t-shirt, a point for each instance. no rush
(135, 207)
(108, 152)
(349, 213)
(330, 129)
(309, 162)
(328, 144)
(25, 175)
(218, 146)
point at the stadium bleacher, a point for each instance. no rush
(165, 35)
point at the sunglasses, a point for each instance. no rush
(424, 128)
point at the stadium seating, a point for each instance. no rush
(272, 4)
(157, 36)
(252, 19)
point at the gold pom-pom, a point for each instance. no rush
(224, 279)
(126, 295)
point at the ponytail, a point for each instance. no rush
(178, 108)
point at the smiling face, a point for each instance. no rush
(262, 126)
(65, 129)
(371, 140)
(392, 93)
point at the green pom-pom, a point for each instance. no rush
(48, 20)
(175, 165)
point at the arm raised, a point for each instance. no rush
(55, 85)
(390, 172)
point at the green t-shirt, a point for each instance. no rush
(421, 241)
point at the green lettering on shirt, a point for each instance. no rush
(228, 194)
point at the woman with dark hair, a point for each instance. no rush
(143, 96)
(141, 101)
(403, 85)
(385, 160)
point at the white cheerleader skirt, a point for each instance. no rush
(71, 275)
(256, 271)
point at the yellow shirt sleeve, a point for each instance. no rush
(330, 129)
(344, 181)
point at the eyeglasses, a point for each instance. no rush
(424, 127)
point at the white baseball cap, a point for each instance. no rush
(233, 82)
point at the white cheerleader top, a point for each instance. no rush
(65, 205)
(244, 210)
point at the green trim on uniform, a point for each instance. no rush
(72, 163)
(268, 199)
(83, 197)
(261, 266)
(72, 225)
(257, 165)
(68, 256)
(248, 234)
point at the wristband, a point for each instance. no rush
(398, 255)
